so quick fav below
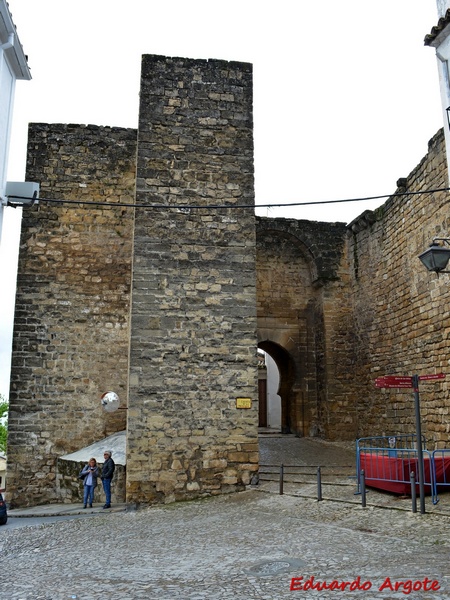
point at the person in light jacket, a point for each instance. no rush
(90, 471)
(107, 475)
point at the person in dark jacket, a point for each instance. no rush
(90, 473)
(107, 475)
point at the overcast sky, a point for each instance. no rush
(346, 95)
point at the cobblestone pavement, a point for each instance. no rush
(242, 546)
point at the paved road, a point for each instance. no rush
(244, 546)
(256, 545)
(38, 521)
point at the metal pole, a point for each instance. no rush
(319, 485)
(363, 488)
(412, 478)
(415, 383)
(281, 478)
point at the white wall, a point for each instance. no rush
(443, 63)
(6, 101)
(7, 85)
(273, 399)
(2, 473)
(13, 66)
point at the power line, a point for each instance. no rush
(31, 201)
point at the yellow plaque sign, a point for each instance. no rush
(243, 402)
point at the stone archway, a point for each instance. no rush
(292, 297)
(287, 318)
(286, 369)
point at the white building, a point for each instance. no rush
(13, 66)
(439, 39)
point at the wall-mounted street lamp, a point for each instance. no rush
(437, 256)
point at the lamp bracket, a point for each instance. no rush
(445, 240)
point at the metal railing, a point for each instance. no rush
(312, 474)
(306, 474)
(441, 471)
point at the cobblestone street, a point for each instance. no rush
(243, 546)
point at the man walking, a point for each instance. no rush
(107, 475)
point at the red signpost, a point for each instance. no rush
(401, 381)
(431, 377)
(393, 382)
(412, 381)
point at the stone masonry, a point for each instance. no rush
(193, 325)
(72, 307)
(166, 303)
(401, 316)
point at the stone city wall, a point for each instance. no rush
(401, 315)
(335, 306)
(71, 326)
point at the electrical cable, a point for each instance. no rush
(218, 206)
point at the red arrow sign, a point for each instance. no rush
(393, 381)
(432, 377)
(396, 378)
(400, 381)
(388, 384)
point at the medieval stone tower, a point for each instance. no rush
(155, 302)
(193, 322)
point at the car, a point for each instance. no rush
(3, 512)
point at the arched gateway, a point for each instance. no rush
(297, 267)
(149, 288)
